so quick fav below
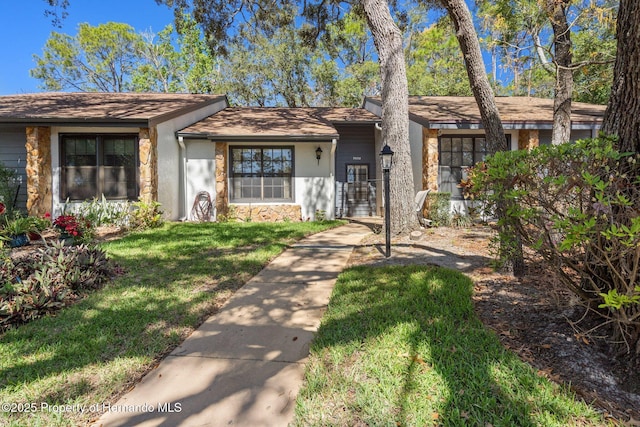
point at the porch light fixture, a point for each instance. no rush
(387, 159)
(318, 154)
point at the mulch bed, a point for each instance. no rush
(533, 316)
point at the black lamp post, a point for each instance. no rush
(387, 156)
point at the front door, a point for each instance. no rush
(358, 190)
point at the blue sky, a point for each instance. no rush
(24, 29)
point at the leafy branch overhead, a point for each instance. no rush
(274, 52)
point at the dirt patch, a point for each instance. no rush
(533, 316)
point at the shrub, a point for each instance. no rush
(48, 279)
(438, 208)
(321, 215)
(102, 212)
(578, 205)
(8, 187)
(146, 215)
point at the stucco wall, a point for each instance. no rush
(415, 142)
(200, 169)
(172, 191)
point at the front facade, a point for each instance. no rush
(203, 160)
(71, 147)
(274, 164)
(446, 134)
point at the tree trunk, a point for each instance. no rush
(395, 113)
(556, 11)
(510, 252)
(470, 46)
(622, 117)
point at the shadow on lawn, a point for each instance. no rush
(129, 318)
(486, 385)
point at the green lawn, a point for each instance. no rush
(175, 277)
(401, 346)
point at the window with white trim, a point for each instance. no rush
(93, 165)
(261, 174)
(456, 154)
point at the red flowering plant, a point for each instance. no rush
(75, 227)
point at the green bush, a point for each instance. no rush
(145, 215)
(102, 212)
(46, 280)
(8, 187)
(578, 206)
(438, 209)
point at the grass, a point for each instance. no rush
(401, 346)
(90, 352)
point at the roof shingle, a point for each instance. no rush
(274, 122)
(115, 107)
(514, 109)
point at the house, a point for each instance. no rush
(274, 164)
(259, 164)
(269, 163)
(446, 134)
(76, 146)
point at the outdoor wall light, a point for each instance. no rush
(318, 154)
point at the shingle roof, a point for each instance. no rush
(457, 109)
(277, 123)
(99, 107)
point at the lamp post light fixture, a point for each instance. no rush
(387, 159)
(318, 154)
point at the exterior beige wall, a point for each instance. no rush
(172, 187)
(528, 139)
(148, 152)
(430, 159)
(38, 170)
(222, 190)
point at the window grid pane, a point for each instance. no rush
(95, 165)
(261, 173)
(455, 154)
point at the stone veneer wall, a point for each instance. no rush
(222, 192)
(430, 159)
(528, 139)
(38, 170)
(268, 213)
(148, 152)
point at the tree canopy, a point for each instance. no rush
(100, 58)
(113, 57)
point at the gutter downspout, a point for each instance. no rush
(332, 173)
(378, 145)
(182, 193)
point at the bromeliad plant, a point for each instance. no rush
(47, 280)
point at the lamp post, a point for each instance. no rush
(387, 156)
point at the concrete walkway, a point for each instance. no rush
(245, 365)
